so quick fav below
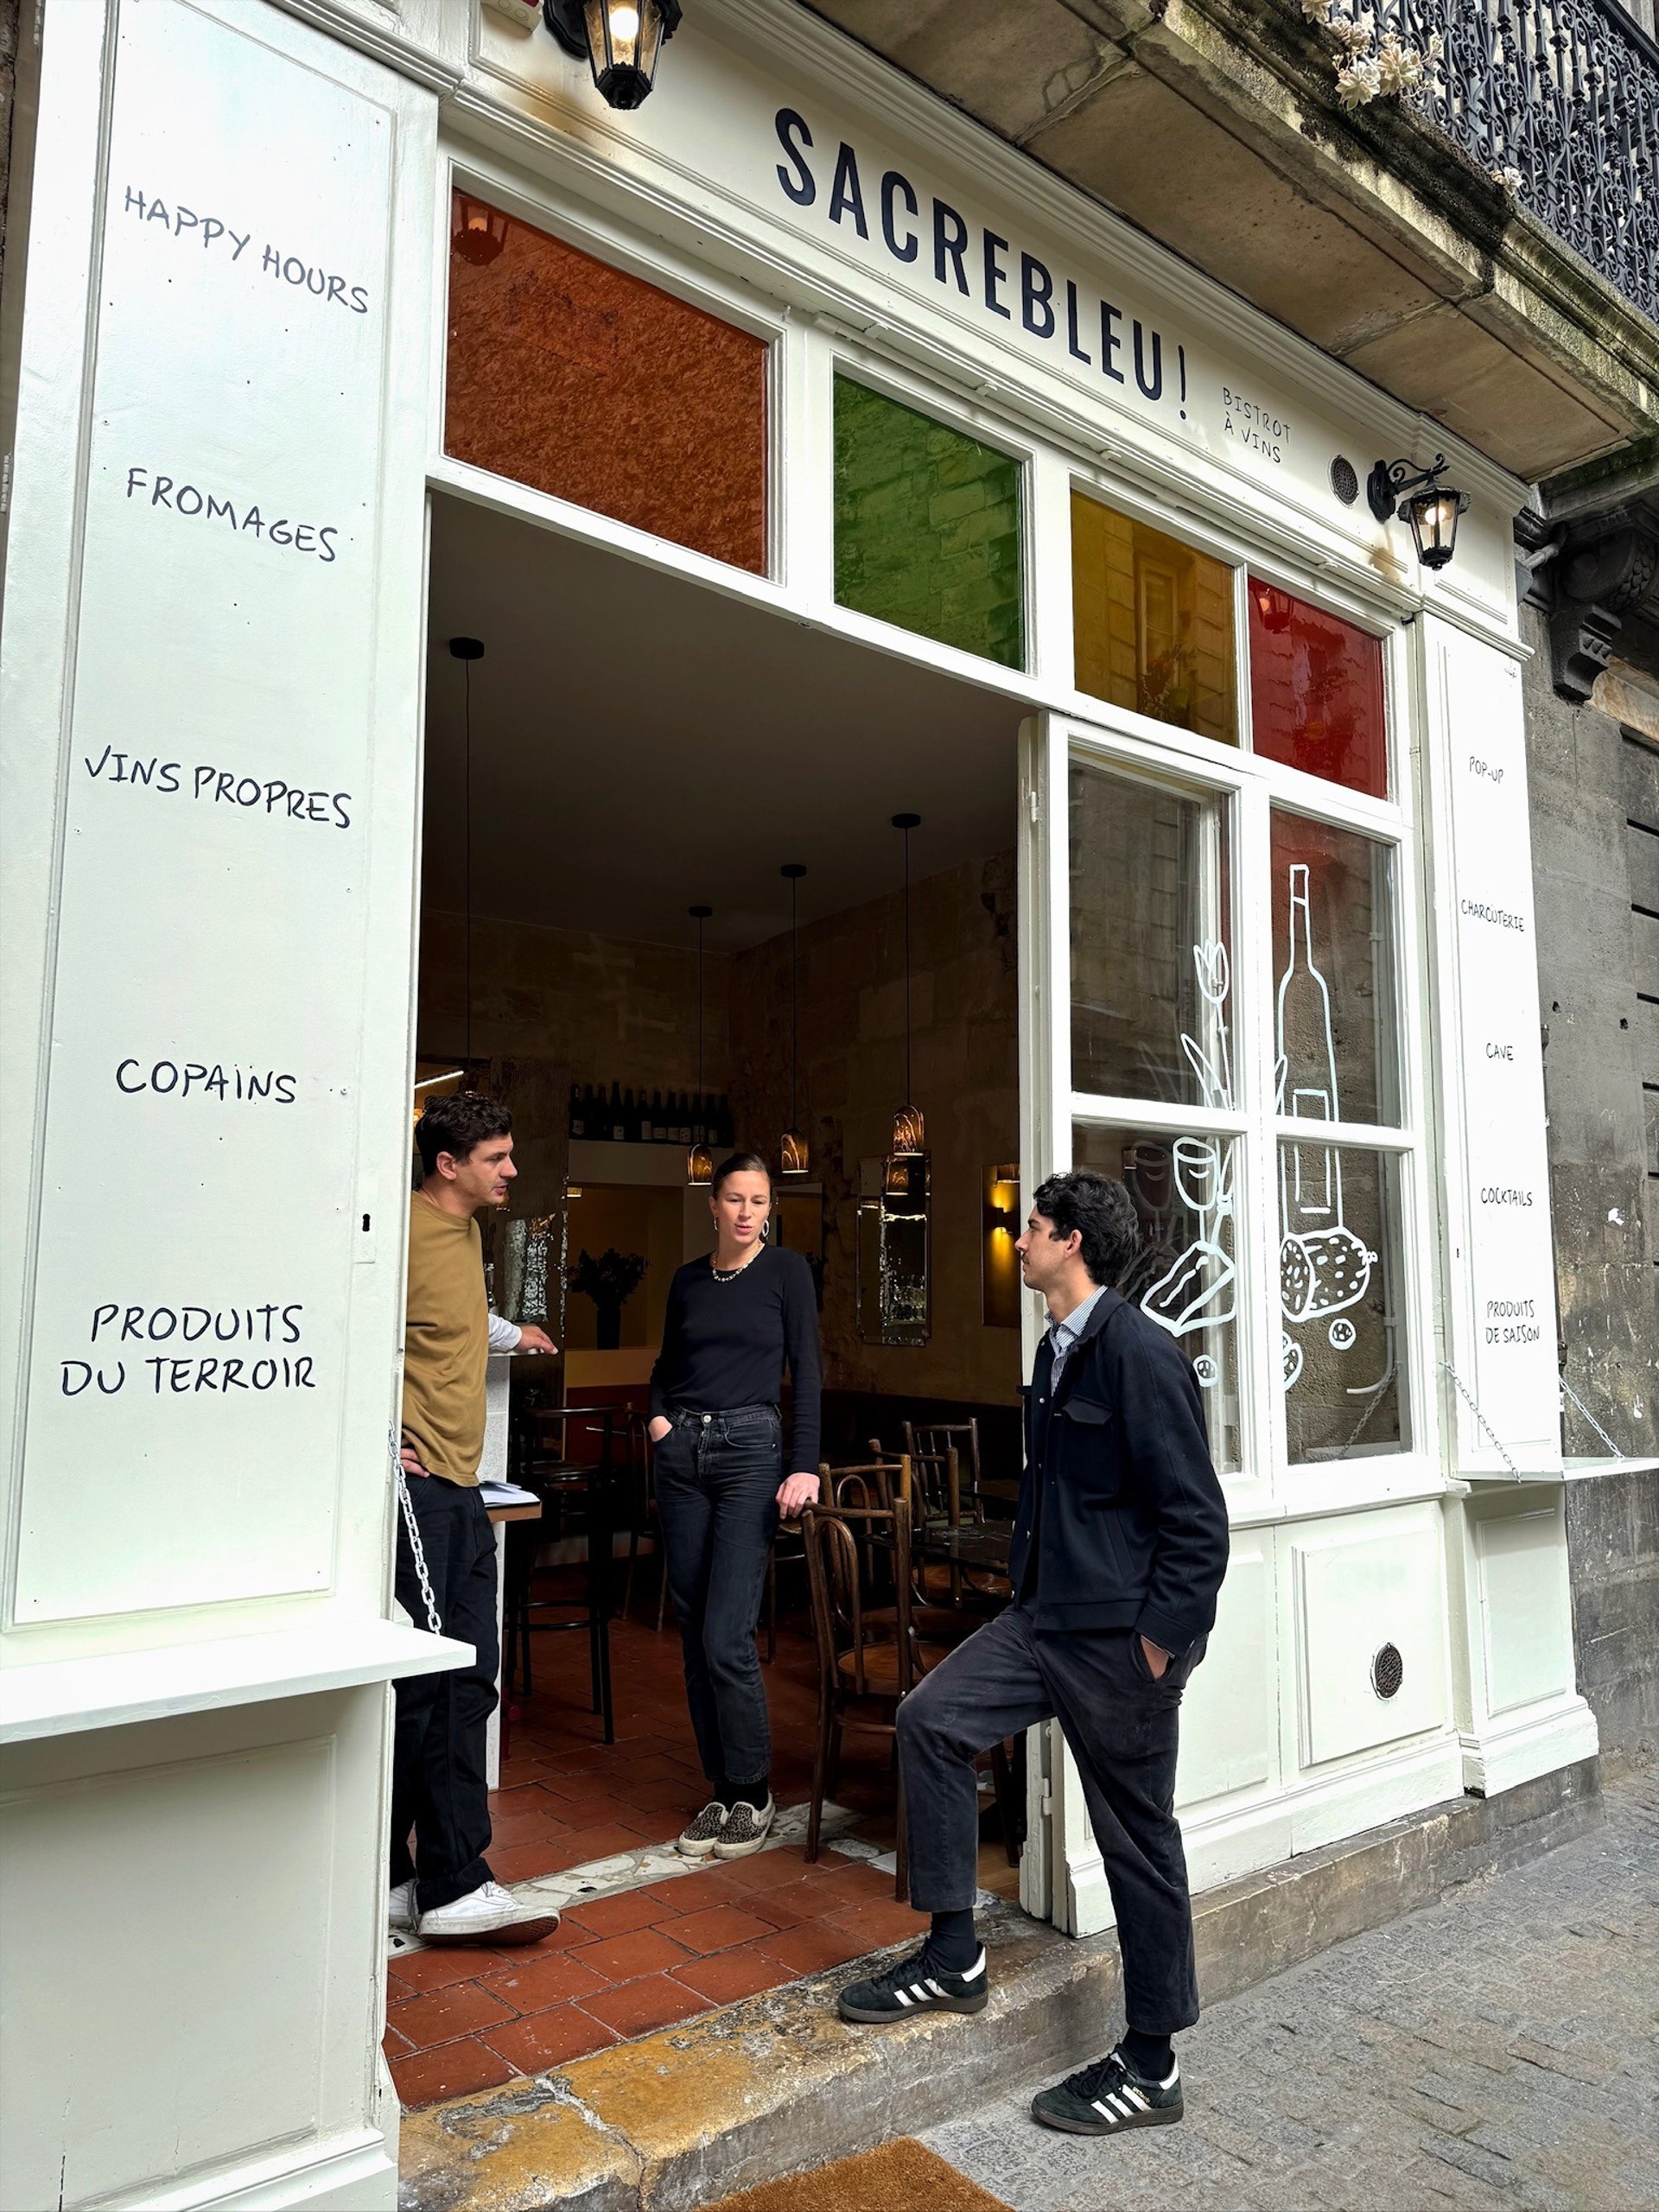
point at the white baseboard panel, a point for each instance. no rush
(1518, 1747)
(348, 2173)
(1230, 1840)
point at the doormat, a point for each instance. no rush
(904, 2173)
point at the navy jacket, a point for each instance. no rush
(1132, 1531)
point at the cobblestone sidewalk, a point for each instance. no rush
(1496, 2051)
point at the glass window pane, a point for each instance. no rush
(1335, 1027)
(1151, 979)
(927, 527)
(1152, 623)
(591, 386)
(1340, 1299)
(1185, 1277)
(1316, 692)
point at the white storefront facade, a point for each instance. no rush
(230, 401)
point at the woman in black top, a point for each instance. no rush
(735, 1318)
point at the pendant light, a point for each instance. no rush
(699, 1161)
(909, 1131)
(467, 651)
(792, 1158)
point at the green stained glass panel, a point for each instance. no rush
(927, 527)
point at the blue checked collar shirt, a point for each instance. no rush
(1062, 1335)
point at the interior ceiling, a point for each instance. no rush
(641, 744)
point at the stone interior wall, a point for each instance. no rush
(965, 1006)
(611, 1010)
(1594, 780)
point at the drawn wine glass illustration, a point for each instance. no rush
(1199, 1289)
(1324, 1267)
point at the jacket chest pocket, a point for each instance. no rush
(1088, 1437)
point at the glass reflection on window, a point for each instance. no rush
(1186, 1277)
(1151, 972)
(1341, 1341)
(1151, 622)
(1316, 692)
(1335, 1025)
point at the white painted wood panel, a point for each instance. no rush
(1359, 1584)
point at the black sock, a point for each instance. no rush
(749, 1793)
(952, 1944)
(1151, 2057)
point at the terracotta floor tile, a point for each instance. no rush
(550, 2038)
(584, 1844)
(879, 1921)
(509, 1828)
(717, 1930)
(620, 1914)
(453, 2071)
(640, 2007)
(623, 1957)
(397, 1986)
(436, 1969)
(539, 1982)
(813, 1946)
(732, 1974)
(443, 2014)
(394, 2045)
(771, 1870)
(691, 1892)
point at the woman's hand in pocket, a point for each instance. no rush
(659, 1428)
(795, 1494)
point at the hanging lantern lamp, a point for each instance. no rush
(909, 1130)
(792, 1154)
(619, 40)
(480, 232)
(699, 1161)
(1431, 508)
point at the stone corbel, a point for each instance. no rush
(1587, 576)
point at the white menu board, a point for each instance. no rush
(188, 1323)
(1503, 1270)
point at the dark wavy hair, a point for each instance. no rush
(458, 1126)
(1100, 1209)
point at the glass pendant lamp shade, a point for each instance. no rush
(1432, 515)
(622, 40)
(792, 1151)
(699, 1161)
(909, 1133)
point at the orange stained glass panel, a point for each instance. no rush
(589, 384)
(1151, 622)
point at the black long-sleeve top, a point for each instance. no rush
(726, 1344)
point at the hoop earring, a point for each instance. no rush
(765, 1230)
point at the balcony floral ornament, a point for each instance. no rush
(1374, 67)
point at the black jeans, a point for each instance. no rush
(437, 1757)
(717, 1478)
(1122, 1729)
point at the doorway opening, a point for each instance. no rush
(630, 746)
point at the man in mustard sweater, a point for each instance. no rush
(443, 1889)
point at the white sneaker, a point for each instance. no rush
(747, 1829)
(488, 1914)
(401, 1915)
(697, 1838)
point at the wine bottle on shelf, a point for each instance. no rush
(578, 1127)
(683, 1125)
(658, 1127)
(614, 1126)
(629, 1117)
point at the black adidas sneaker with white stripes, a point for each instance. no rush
(1107, 2097)
(915, 1985)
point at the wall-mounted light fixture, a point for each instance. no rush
(1002, 1202)
(1275, 606)
(621, 41)
(479, 230)
(999, 1262)
(1431, 508)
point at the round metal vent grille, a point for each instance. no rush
(1344, 480)
(1387, 1671)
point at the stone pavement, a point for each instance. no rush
(1499, 2050)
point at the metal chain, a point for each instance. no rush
(1497, 1444)
(434, 1620)
(1568, 1391)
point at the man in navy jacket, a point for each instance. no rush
(1119, 1547)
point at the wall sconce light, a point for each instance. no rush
(621, 41)
(481, 231)
(1431, 508)
(1002, 1208)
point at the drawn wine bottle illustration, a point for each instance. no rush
(1323, 1266)
(1197, 1293)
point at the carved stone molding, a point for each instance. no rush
(1589, 576)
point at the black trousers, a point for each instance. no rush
(1122, 1729)
(438, 1789)
(717, 1477)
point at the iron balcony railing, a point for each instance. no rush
(1565, 94)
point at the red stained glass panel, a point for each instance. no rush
(589, 384)
(1316, 692)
